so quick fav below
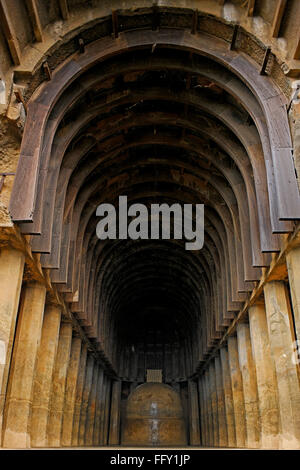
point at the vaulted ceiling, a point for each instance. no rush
(151, 105)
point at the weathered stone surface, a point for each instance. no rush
(214, 402)
(99, 407)
(280, 327)
(59, 385)
(237, 392)
(223, 439)
(79, 395)
(266, 377)
(230, 417)
(11, 272)
(293, 265)
(194, 414)
(91, 409)
(210, 422)
(20, 389)
(248, 371)
(85, 398)
(114, 428)
(70, 392)
(43, 376)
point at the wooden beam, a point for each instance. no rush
(194, 22)
(265, 61)
(297, 51)
(279, 12)
(35, 19)
(81, 46)
(155, 17)
(234, 36)
(47, 70)
(9, 34)
(115, 24)
(20, 98)
(63, 5)
(251, 6)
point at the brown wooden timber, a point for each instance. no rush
(194, 22)
(9, 33)
(297, 51)
(115, 23)
(251, 7)
(63, 5)
(265, 61)
(278, 16)
(35, 19)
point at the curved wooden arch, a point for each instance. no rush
(73, 164)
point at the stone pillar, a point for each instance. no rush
(228, 397)
(99, 407)
(293, 265)
(237, 392)
(70, 393)
(202, 411)
(209, 410)
(223, 440)
(214, 402)
(107, 411)
(43, 376)
(280, 327)
(11, 273)
(79, 394)
(114, 428)
(59, 385)
(265, 376)
(103, 411)
(248, 371)
(91, 409)
(16, 432)
(194, 414)
(85, 398)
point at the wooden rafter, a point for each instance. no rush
(63, 4)
(279, 12)
(194, 22)
(251, 6)
(35, 19)
(265, 61)
(155, 17)
(115, 23)
(297, 51)
(234, 36)
(9, 33)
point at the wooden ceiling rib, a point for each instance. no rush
(10, 35)
(189, 120)
(278, 16)
(251, 7)
(35, 19)
(63, 5)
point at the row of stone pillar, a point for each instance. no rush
(249, 395)
(53, 391)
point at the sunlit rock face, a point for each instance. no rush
(154, 417)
